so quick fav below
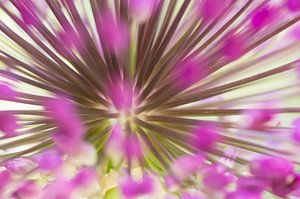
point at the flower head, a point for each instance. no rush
(149, 98)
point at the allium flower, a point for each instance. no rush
(149, 99)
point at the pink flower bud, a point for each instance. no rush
(58, 189)
(68, 145)
(20, 166)
(186, 166)
(132, 188)
(193, 194)
(28, 189)
(60, 110)
(28, 12)
(296, 134)
(295, 32)
(251, 185)
(69, 38)
(6, 92)
(142, 10)
(233, 46)
(122, 95)
(68, 136)
(271, 168)
(8, 124)
(258, 118)
(293, 5)
(263, 17)
(189, 73)
(283, 188)
(5, 180)
(243, 195)
(49, 160)
(132, 147)
(210, 9)
(85, 177)
(114, 143)
(216, 178)
(114, 33)
(205, 137)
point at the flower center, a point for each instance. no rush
(126, 117)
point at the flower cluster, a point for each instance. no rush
(164, 99)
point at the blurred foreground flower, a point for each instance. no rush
(161, 99)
